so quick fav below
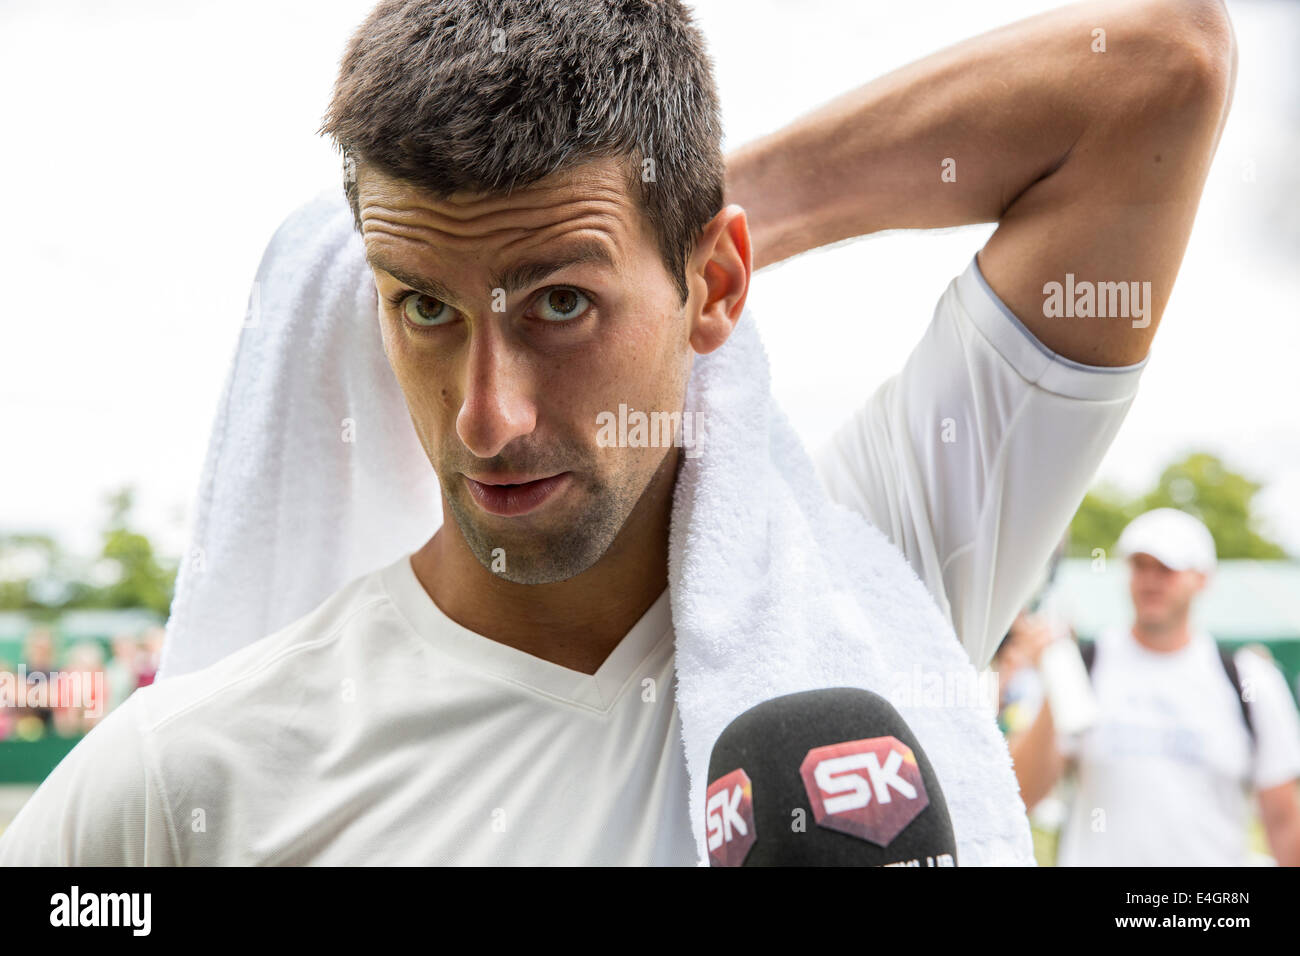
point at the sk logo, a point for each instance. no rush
(870, 789)
(729, 819)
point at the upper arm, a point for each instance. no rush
(1118, 207)
(98, 807)
(1279, 811)
(1279, 806)
(1276, 760)
(1274, 718)
(973, 459)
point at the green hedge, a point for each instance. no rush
(30, 761)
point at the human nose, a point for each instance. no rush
(498, 405)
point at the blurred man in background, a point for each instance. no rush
(1020, 692)
(1165, 773)
(8, 715)
(79, 694)
(38, 662)
(122, 673)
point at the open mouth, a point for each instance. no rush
(519, 498)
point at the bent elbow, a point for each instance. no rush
(1204, 62)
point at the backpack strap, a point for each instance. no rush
(1088, 651)
(1230, 668)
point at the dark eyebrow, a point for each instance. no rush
(513, 278)
(430, 287)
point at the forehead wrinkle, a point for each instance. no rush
(512, 278)
(525, 221)
(600, 181)
(533, 217)
(485, 206)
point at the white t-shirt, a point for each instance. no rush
(1166, 775)
(376, 730)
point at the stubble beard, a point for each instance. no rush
(551, 555)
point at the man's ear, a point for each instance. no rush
(719, 274)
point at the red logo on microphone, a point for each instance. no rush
(729, 819)
(870, 789)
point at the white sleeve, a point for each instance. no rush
(1273, 715)
(98, 807)
(974, 458)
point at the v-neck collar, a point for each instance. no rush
(596, 691)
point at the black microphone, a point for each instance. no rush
(825, 778)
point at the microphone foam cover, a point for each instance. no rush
(825, 778)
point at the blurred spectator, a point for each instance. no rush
(1019, 691)
(1165, 772)
(81, 695)
(153, 642)
(122, 674)
(8, 711)
(38, 658)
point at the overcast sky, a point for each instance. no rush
(153, 147)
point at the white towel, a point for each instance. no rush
(314, 476)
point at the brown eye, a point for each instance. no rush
(562, 304)
(425, 311)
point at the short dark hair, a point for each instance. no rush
(488, 95)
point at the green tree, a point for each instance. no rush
(1199, 484)
(1202, 486)
(38, 576)
(143, 580)
(1101, 517)
(23, 558)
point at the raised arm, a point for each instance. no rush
(1086, 133)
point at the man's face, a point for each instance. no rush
(1161, 595)
(39, 650)
(506, 362)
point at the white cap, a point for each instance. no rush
(1172, 537)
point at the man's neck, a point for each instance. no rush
(1166, 639)
(575, 623)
